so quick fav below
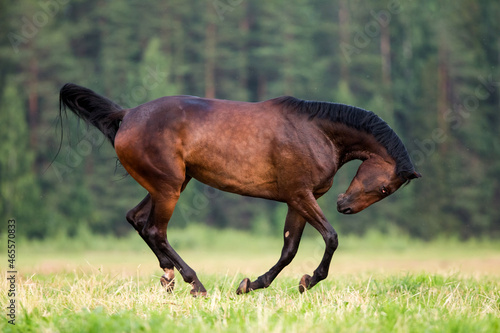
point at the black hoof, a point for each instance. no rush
(244, 287)
(305, 282)
(198, 293)
(198, 289)
(167, 283)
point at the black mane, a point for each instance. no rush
(359, 119)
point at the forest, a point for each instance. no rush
(430, 68)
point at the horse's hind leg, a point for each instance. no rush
(158, 166)
(138, 217)
(294, 226)
(155, 235)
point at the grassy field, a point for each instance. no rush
(376, 284)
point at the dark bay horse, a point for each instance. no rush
(283, 149)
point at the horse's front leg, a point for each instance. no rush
(308, 207)
(294, 226)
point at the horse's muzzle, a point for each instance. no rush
(343, 204)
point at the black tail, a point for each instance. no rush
(93, 108)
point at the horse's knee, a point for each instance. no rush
(333, 240)
(288, 255)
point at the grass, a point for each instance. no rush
(376, 284)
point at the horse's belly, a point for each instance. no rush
(251, 175)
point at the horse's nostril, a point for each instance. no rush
(347, 211)
(341, 209)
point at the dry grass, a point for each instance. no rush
(374, 286)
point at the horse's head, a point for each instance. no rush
(376, 179)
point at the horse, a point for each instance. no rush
(283, 149)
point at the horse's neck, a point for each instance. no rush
(354, 144)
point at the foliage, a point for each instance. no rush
(431, 69)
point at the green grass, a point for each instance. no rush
(376, 284)
(396, 303)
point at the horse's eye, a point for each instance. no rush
(384, 190)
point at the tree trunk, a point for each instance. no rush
(33, 101)
(344, 36)
(210, 46)
(385, 51)
(443, 92)
(244, 27)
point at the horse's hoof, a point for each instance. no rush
(244, 287)
(167, 283)
(305, 282)
(198, 293)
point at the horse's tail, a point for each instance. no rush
(93, 108)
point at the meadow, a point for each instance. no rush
(377, 283)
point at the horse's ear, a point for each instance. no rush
(414, 175)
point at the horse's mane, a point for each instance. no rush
(359, 119)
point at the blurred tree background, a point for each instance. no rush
(430, 68)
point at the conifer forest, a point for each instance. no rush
(430, 68)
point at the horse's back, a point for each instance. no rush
(239, 147)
